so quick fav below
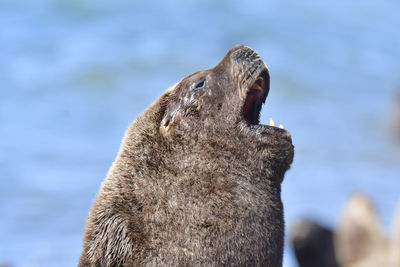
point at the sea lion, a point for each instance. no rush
(313, 244)
(197, 179)
(360, 240)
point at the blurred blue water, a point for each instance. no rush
(74, 74)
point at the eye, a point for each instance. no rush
(200, 84)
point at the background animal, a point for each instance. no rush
(358, 239)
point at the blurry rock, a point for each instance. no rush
(359, 237)
(312, 244)
(394, 253)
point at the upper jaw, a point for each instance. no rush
(259, 83)
(251, 77)
(249, 73)
(254, 91)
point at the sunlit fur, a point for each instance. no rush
(193, 184)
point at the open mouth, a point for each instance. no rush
(256, 95)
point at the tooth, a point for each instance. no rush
(271, 122)
(281, 126)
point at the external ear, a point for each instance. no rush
(170, 117)
(359, 238)
(166, 123)
(395, 239)
(169, 111)
(155, 115)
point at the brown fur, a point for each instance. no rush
(193, 184)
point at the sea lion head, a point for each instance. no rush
(221, 106)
